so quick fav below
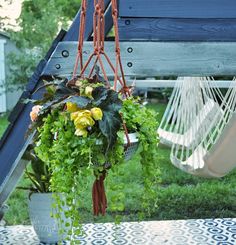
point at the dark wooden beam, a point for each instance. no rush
(174, 29)
(178, 8)
(73, 32)
(108, 20)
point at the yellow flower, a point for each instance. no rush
(73, 115)
(84, 119)
(81, 132)
(71, 107)
(88, 91)
(85, 113)
(80, 113)
(84, 122)
(97, 113)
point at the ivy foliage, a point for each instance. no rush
(72, 160)
(144, 122)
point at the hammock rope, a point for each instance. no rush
(190, 107)
(202, 123)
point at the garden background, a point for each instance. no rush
(179, 195)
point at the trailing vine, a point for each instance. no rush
(144, 122)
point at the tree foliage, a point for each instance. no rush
(4, 19)
(39, 22)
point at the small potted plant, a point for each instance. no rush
(83, 129)
(41, 199)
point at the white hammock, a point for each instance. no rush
(187, 97)
(205, 115)
(215, 155)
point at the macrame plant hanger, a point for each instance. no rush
(98, 190)
(98, 45)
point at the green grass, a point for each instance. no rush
(179, 196)
(18, 206)
(3, 124)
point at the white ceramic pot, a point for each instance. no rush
(45, 226)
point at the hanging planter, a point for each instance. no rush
(85, 127)
(80, 134)
(131, 146)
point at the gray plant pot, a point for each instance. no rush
(45, 226)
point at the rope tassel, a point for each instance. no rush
(99, 195)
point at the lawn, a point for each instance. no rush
(3, 124)
(178, 196)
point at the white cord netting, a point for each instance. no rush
(194, 120)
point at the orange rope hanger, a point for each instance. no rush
(98, 190)
(98, 45)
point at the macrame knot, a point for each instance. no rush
(118, 50)
(96, 51)
(83, 10)
(97, 8)
(115, 12)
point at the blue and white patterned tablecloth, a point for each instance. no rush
(181, 232)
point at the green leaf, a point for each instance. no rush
(104, 97)
(109, 102)
(26, 101)
(80, 101)
(99, 94)
(38, 167)
(31, 176)
(47, 106)
(63, 91)
(110, 125)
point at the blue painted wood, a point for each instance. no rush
(14, 139)
(178, 8)
(73, 32)
(14, 142)
(166, 29)
(108, 20)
